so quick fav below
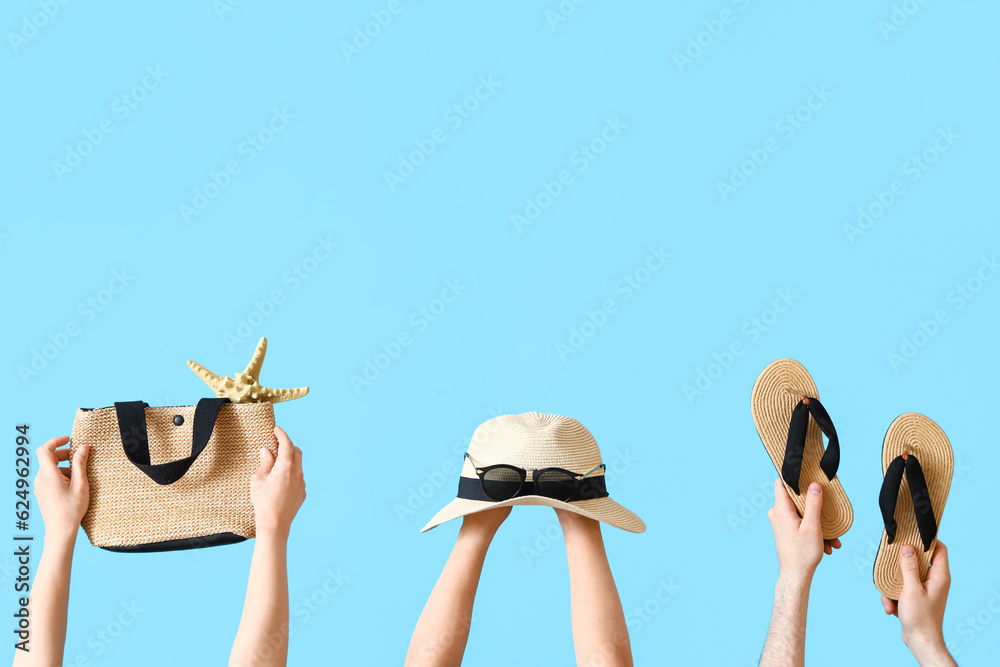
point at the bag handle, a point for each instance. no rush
(135, 440)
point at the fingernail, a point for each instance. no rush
(815, 489)
(908, 551)
(263, 453)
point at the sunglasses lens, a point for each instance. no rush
(555, 484)
(501, 483)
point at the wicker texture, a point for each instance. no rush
(127, 508)
(917, 435)
(534, 440)
(774, 396)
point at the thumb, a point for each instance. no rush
(910, 565)
(814, 507)
(78, 482)
(266, 463)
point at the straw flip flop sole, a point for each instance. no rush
(919, 436)
(777, 391)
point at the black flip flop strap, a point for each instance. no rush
(918, 492)
(798, 426)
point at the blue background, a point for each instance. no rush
(695, 468)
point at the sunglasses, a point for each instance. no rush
(503, 482)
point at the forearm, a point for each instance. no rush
(932, 653)
(262, 638)
(600, 635)
(786, 636)
(49, 602)
(442, 631)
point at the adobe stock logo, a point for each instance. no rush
(627, 286)
(975, 623)
(582, 158)
(714, 27)
(122, 106)
(433, 480)
(958, 298)
(562, 12)
(752, 330)
(38, 20)
(751, 505)
(419, 321)
(223, 7)
(104, 638)
(454, 116)
(914, 167)
(363, 35)
(249, 149)
(640, 616)
(787, 125)
(86, 312)
(295, 277)
(901, 13)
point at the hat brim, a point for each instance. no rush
(599, 509)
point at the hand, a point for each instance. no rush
(799, 542)
(63, 493)
(485, 523)
(278, 489)
(921, 604)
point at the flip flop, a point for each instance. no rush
(916, 446)
(782, 402)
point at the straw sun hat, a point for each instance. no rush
(533, 441)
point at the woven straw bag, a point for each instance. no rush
(170, 478)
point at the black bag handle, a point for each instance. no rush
(135, 440)
(791, 466)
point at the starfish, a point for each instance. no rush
(243, 387)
